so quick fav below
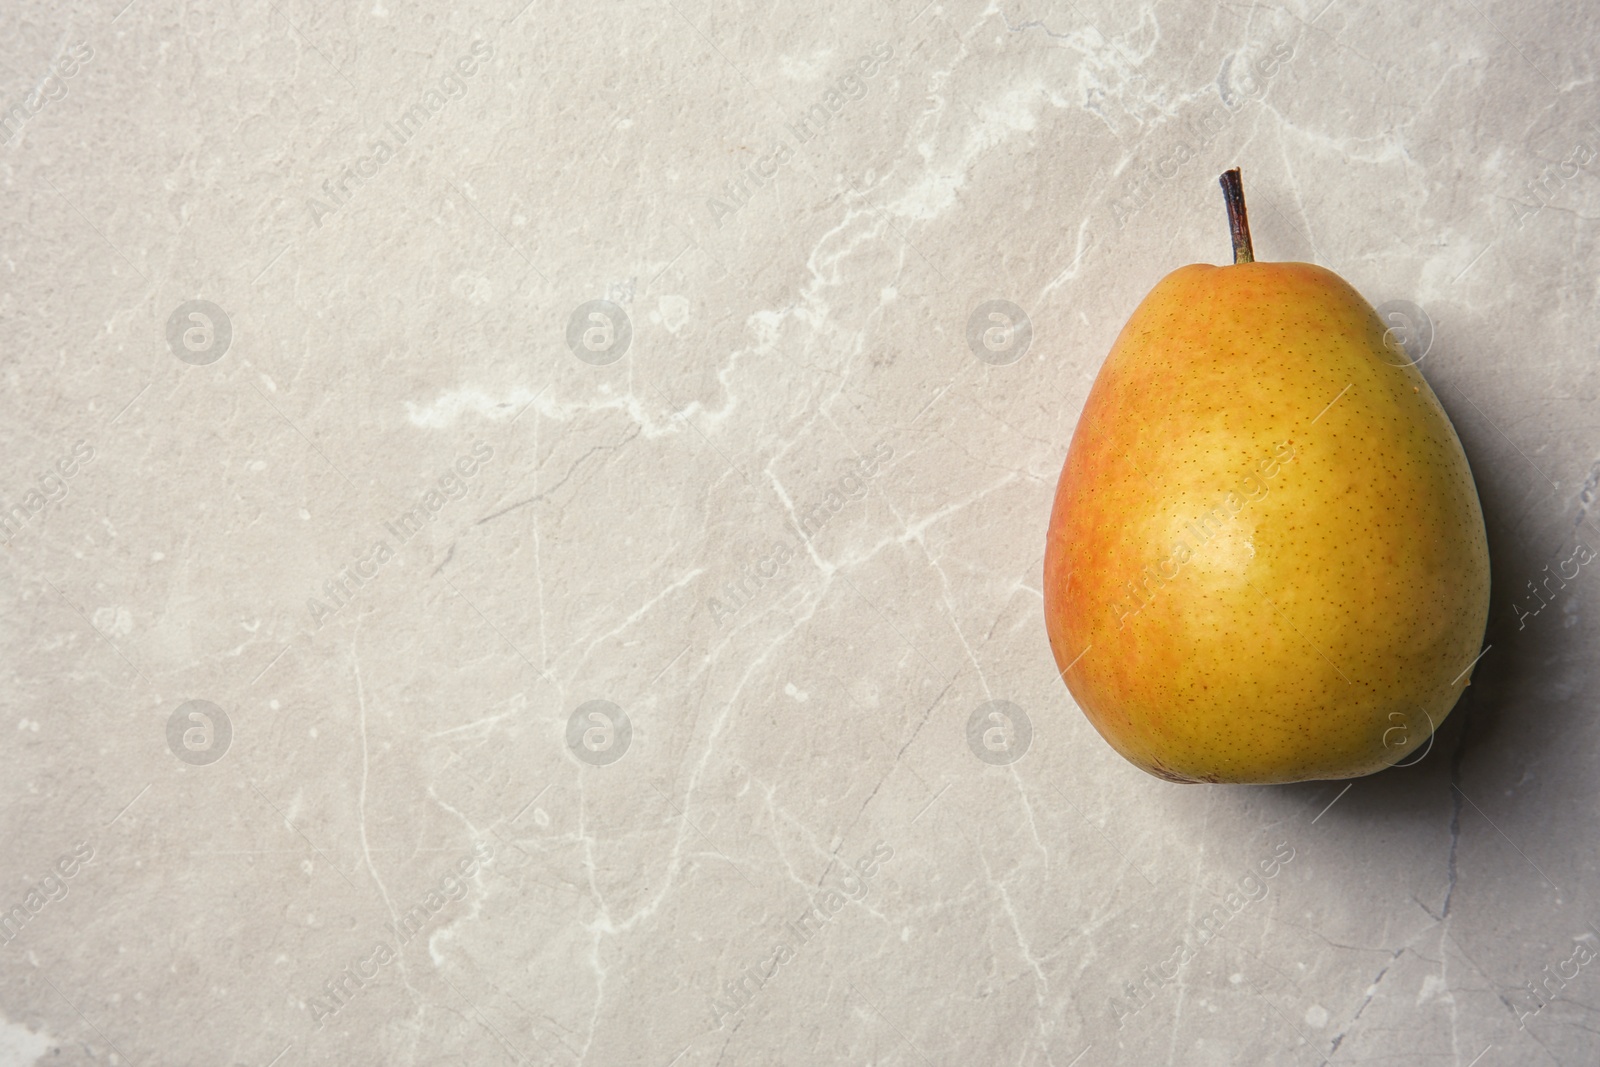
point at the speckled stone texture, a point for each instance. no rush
(523, 525)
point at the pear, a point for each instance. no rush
(1266, 560)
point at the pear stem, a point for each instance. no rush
(1238, 221)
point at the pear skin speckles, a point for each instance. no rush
(1263, 630)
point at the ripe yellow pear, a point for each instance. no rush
(1266, 560)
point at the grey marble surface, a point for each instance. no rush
(398, 503)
